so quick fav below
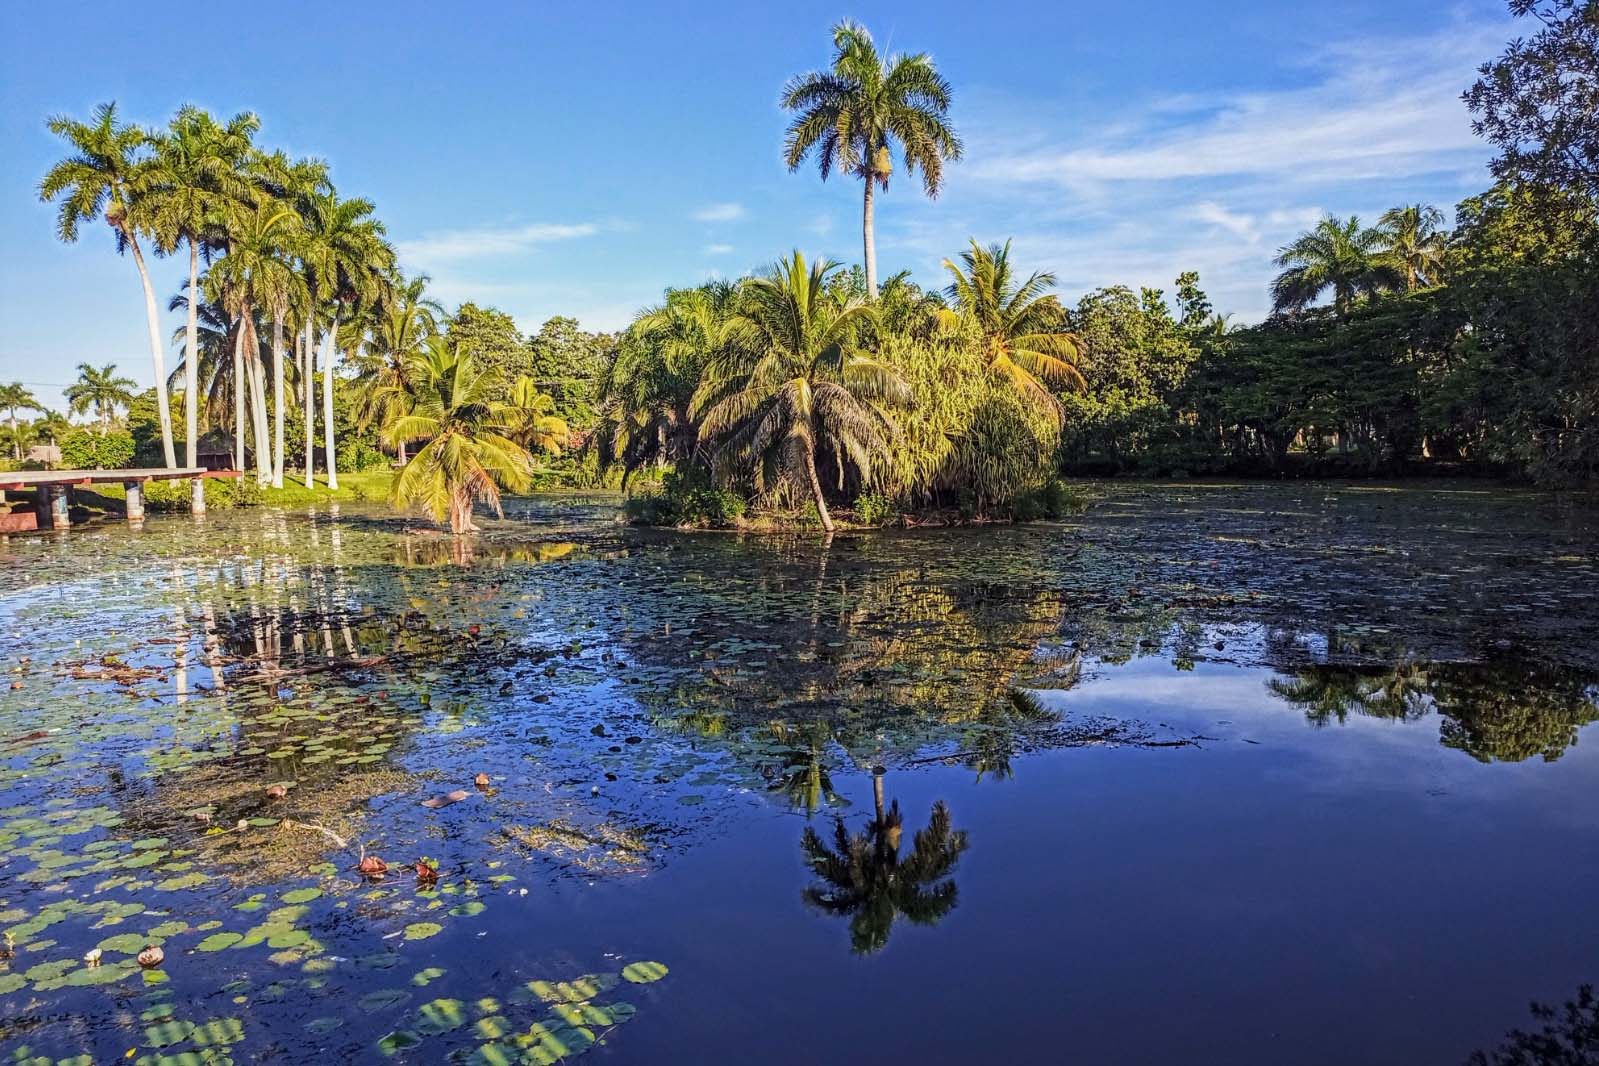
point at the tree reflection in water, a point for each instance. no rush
(863, 876)
(1568, 1037)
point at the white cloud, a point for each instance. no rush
(451, 245)
(728, 212)
(718, 249)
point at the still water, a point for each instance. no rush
(1204, 774)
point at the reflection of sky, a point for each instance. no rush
(1361, 754)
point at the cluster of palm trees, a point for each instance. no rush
(99, 391)
(790, 379)
(1402, 253)
(288, 264)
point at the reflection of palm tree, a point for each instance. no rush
(862, 875)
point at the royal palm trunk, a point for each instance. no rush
(327, 403)
(156, 358)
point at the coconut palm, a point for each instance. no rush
(345, 253)
(1413, 241)
(467, 457)
(13, 398)
(1339, 254)
(403, 319)
(864, 876)
(101, 391)
(790, 381)
(198, 179)
(530, 419)
(108, 173)
(1022, 325)
(51, 426)
(852, 115)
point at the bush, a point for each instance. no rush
(686, 498)
(358, 455)
(172, 497)
(873, 508)
(85, 449)
(1052, 499)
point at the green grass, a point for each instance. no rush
(371, 485)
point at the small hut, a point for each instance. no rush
(46, 455)
(214, 450)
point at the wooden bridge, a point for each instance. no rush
(53, 487)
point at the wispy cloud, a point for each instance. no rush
(455, 245)
(728, 212)
(718, 249)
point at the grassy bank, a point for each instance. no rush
(363, 486)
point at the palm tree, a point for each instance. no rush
(1339, 255)
(650, 384)
(404, 318)
(852, 114)
(1022, 325)
(256, 274)
(199, 177)
(467, 457)
(1413, 241)
(863, 875)
(14, 397)
(108, 173)
(100, 391)
(530, 418)
(790, 381)
(346, 254)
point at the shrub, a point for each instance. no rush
(686, 498)
(1052, 499)
(360, 456)
(873, 508)
(172, 497)
(85, 449)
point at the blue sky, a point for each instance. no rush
(578, 158)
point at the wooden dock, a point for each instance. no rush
(53, 487)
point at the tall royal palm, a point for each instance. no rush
(1413, 241)
(108, 173)
(13, 398)
(1339, 254)
(852, 115)
(258, 274)
(790, 381)
(1022, 324)
(467, 457)
(199, 176)
(101, 391)
(346, 254)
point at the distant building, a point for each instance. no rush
(47, 455)
(214, 450)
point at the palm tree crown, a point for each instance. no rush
(1021, 323)
(1413, 241)
(852, 114)
(101, 391)
(1340, 255)
(790, 381)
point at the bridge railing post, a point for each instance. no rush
(56, 496)
(135, 494)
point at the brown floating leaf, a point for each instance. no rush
(481, 780)
(427, 873)
(372, 866)
(151, 957)
(448, 798)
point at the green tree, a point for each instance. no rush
(490, 334)
(405, 317)
(852, 114)
(791, 382)
(530, 419)
(101, 391)
(346, 253)
(109, 173)
(198, 179)
(1339, 254)
(467, 457)
(1022, 325)
(14, 397)
(1413, 240)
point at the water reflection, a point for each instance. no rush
(863, 877)
(1567, 1036)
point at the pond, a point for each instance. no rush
(1206, 773)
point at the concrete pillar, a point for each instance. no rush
(197, 496)
(135, 491)
(57, 497)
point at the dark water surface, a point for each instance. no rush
(1205, 774)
